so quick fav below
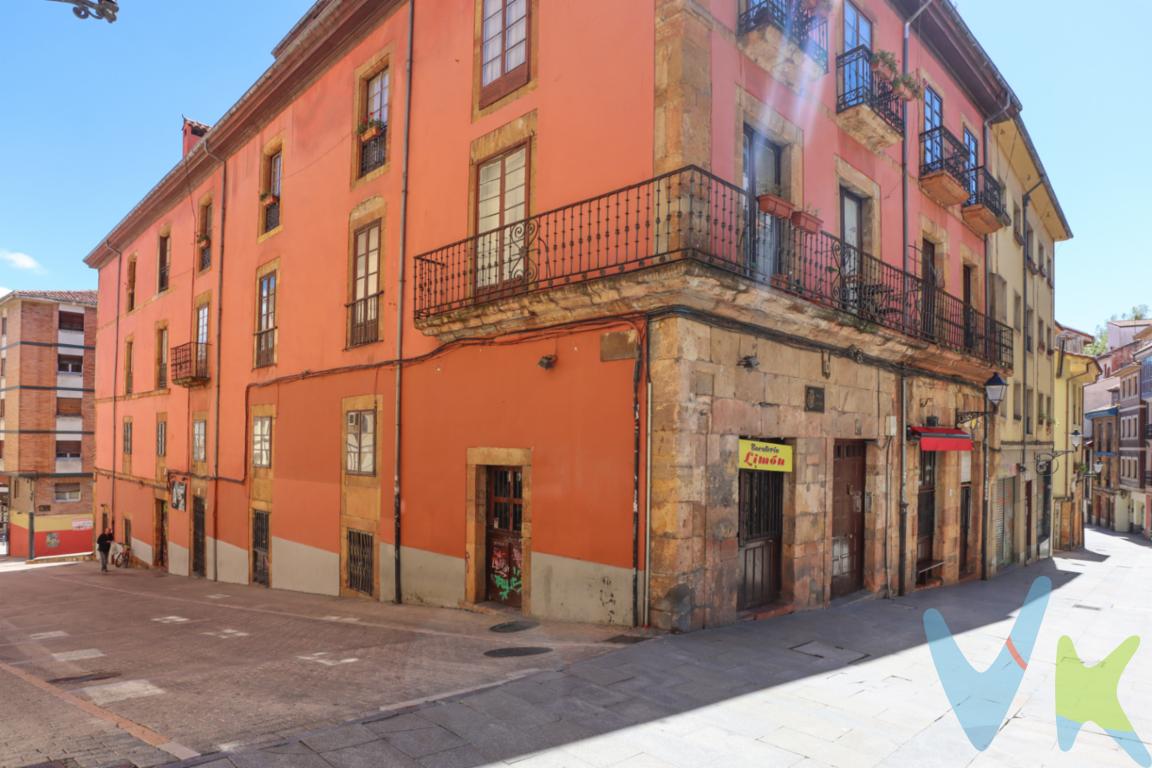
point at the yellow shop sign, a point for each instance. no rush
(770, 457)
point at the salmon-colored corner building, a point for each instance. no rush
(635, 312)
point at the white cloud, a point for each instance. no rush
(19, 260)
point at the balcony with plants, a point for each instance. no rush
(689, 238)
(870, 96)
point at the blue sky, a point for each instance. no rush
(91, 120)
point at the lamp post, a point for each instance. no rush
(95, 9)
(994, 390)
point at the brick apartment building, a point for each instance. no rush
(47, 415)
(448, 309)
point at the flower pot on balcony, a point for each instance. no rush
(371, 132)
(775, 205)
(267, 200)
(808, 222)
(817, 7)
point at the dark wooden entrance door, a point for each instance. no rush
(847, 518)
(1028, 520)
(761, 536)
(505, 518)
(160, 552)
(926, 516)
(260, 574)
(199, 555)
(965, 526)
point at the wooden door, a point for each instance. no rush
(928, 289)
(505, 519)
(851, 245)
(848, 517)
(160, 551)
(761, 537)
(199, 555)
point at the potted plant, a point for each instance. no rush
(202, 239)
(817, 7)
(884, 64)
(906, 88)
(267, 199)
(807, 219)
(774, 203)
(370, 129)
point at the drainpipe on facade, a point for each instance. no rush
(903, 559)
(636, 371)
(219, 356)
(1027, 330)
(400, 286)
(115, 373)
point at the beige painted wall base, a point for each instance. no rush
(302, 568)
(141, 551)
(177, 560)
(428, 578)
(577, 590)
(233, 562)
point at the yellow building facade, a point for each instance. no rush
(1021, 287)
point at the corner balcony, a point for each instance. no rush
(866, 106)
(983, 211)
(944, 171)
(690, 239)
(190, 365)
(785, 37)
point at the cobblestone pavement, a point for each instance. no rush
(850, 686)
(148, 668)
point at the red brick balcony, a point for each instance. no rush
(692, 215)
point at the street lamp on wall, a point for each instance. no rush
(994, 390)
(97, 9)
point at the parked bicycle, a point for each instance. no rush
(121, 556)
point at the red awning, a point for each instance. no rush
(942, 438)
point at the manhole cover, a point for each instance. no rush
(627, 639)
(84, 678)
(507, 653)
(835, 653)
(514, 626)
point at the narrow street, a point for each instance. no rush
(273, 678)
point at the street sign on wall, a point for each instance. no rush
(764, 456)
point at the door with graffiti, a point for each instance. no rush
(505, 518)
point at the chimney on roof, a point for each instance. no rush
(192, 133)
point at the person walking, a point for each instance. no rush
(103, 545)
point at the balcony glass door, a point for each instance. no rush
(501, 204)
(762, 176)
(934, 138)
(857, 66)
(928, 290)
(971, 160)
(851, 243)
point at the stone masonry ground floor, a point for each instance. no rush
(851, 686)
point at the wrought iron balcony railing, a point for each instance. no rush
(271, 216)
(941, 151)
(984, 189)
(808, 30)
(372, 154)
(690, 214)
(265, 347)
(859, 85)
(190, 364)
(364, 320)
(1148, 431)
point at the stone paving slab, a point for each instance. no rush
(743, 695)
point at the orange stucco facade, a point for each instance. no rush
(589, 385)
